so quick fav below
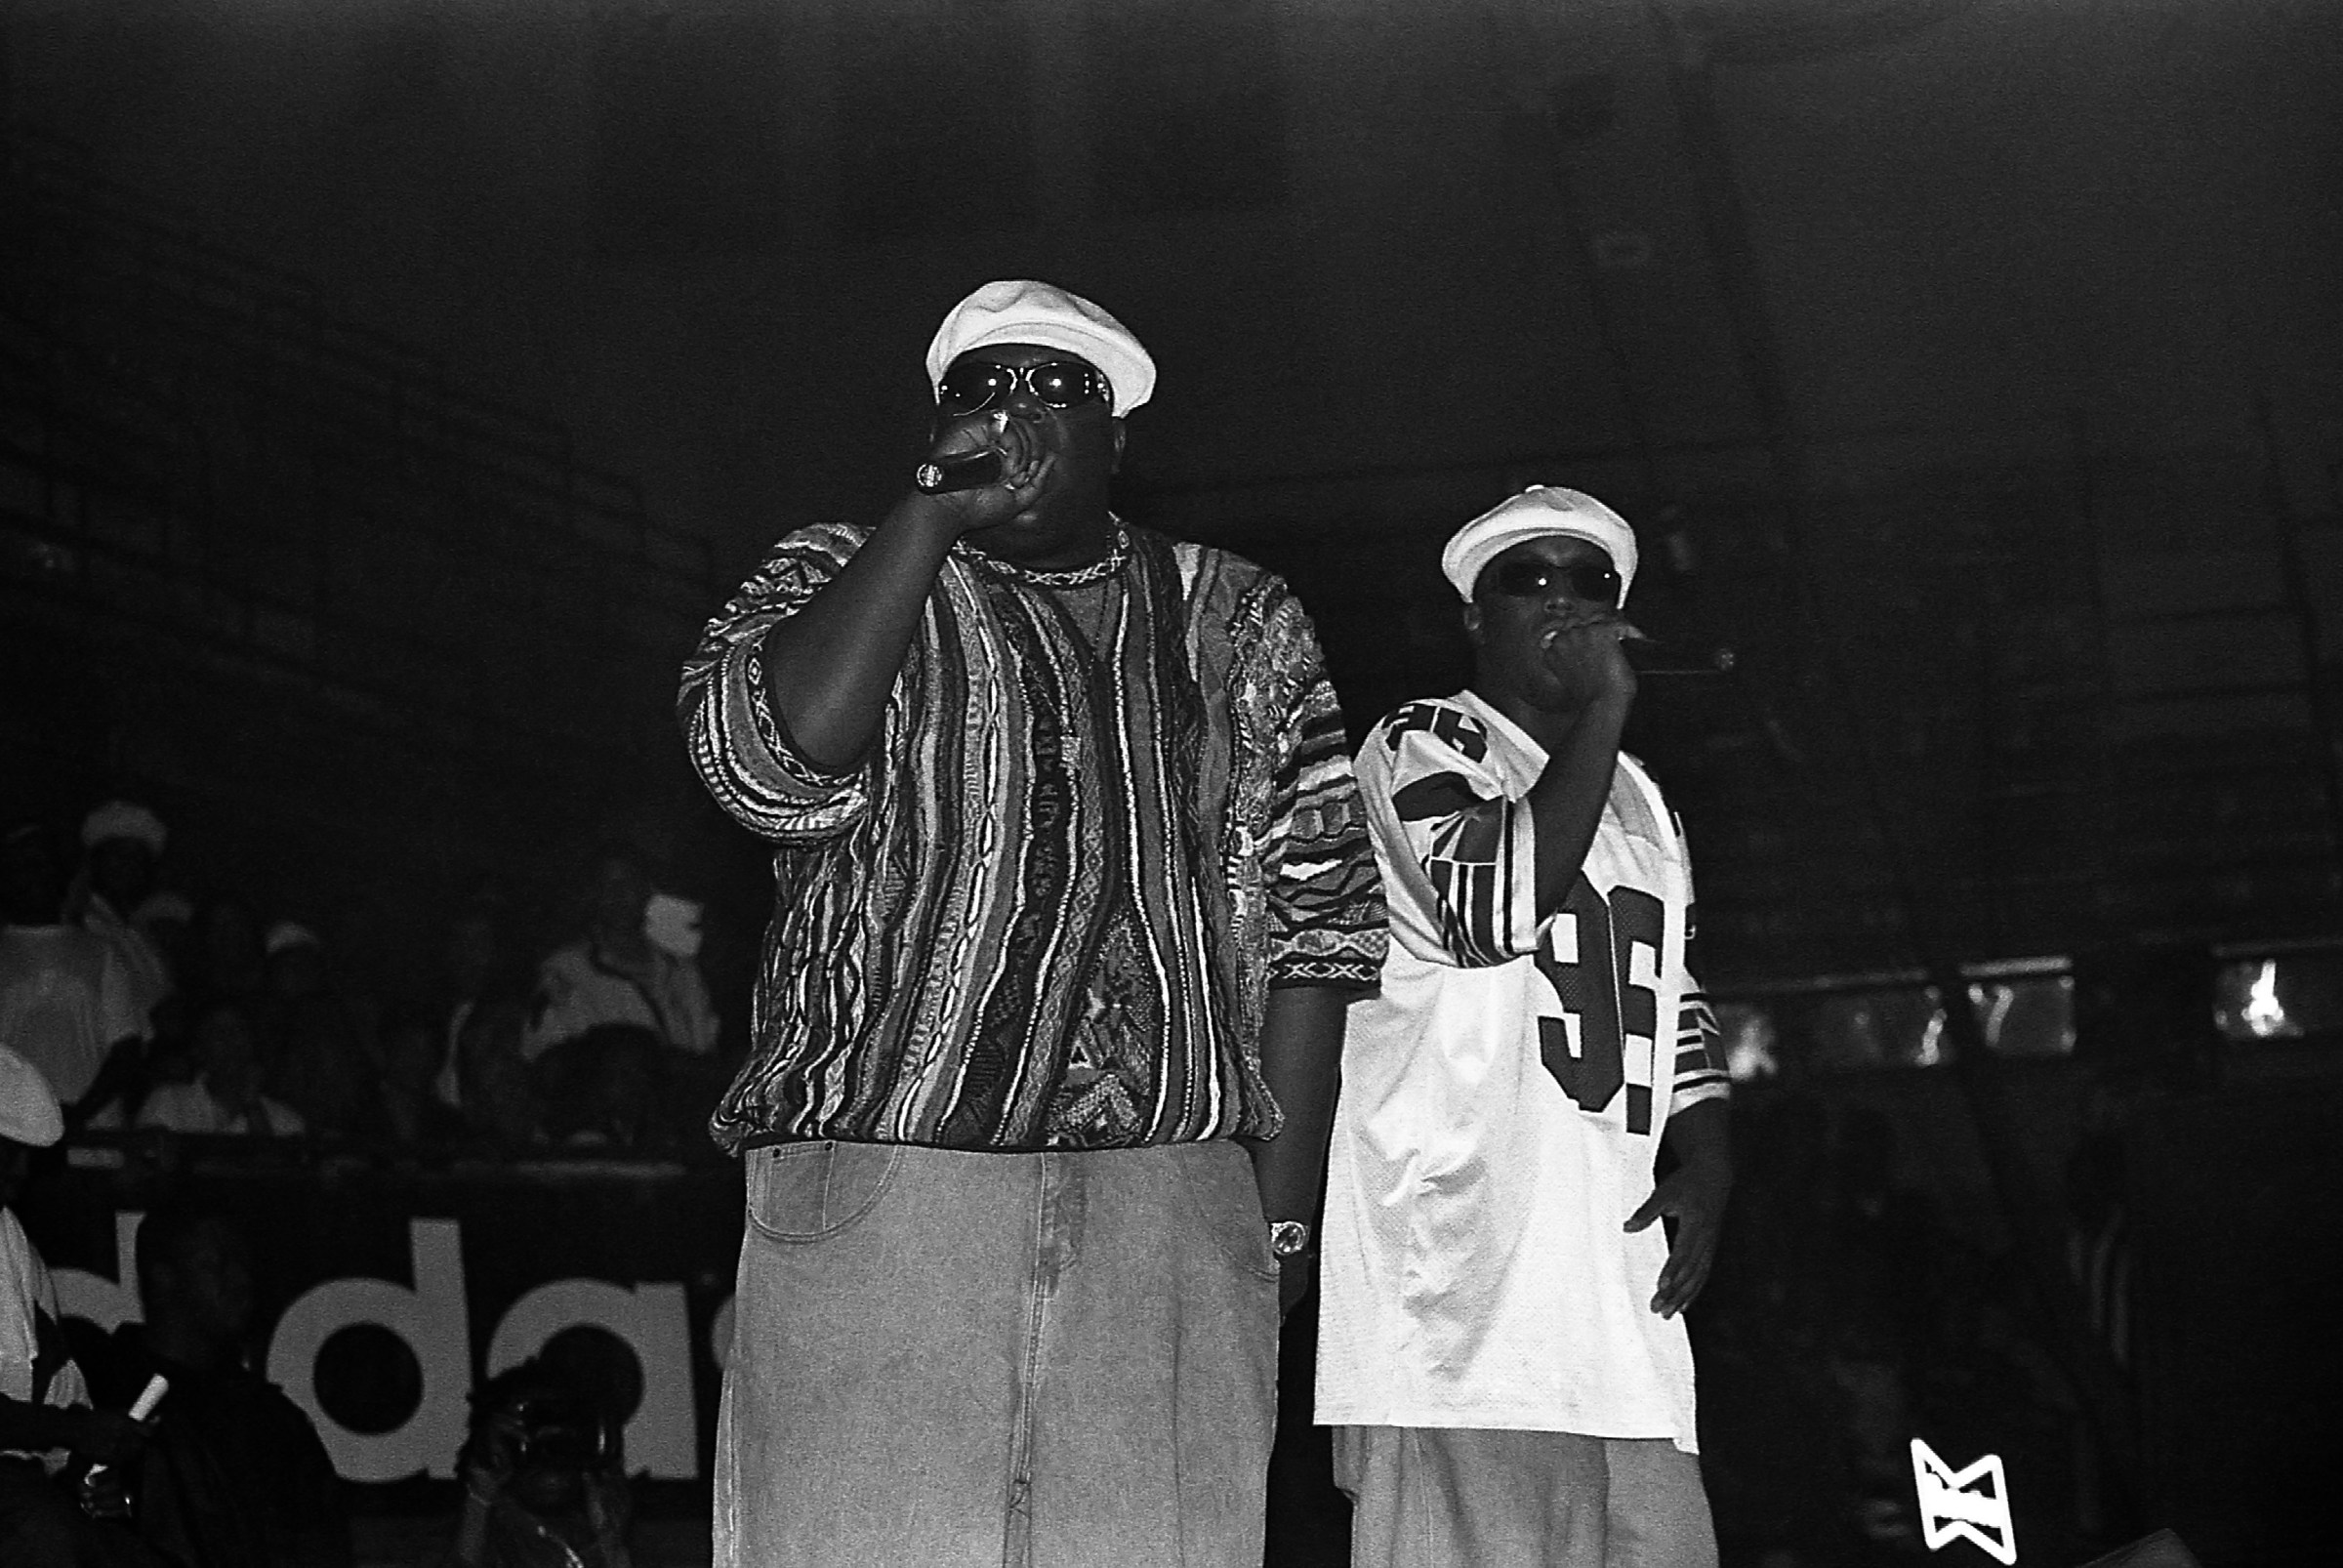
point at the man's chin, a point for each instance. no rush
(1032, 534)
(1013, 538)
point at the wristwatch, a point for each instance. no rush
(1287, 1238)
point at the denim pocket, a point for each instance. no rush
(1226, 1203)
(813, 1191)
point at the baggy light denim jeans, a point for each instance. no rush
(959, 1360)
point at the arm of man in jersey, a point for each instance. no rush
(1568, 802)
(1699, 1137)
(1502, 870)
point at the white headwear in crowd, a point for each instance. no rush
(289, 933)
(1540, 511)
(28, 1112)
(672, 925)
(1022, 311)
(123, 819)
(163, 908)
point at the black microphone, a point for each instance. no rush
(1650, 656)
(970, 470)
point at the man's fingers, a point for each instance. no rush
(970, 434)
(1671, 1295)
(1666, 1199)
(1030, 485)
(1016, 448)
(1686, 1273)
(1687, 1287)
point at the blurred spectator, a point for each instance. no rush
(318, 1058)
(66, 1003)
(412, 1113)
(422, 1046)
(616, 972)
(1898, 1026)
(1987, 1383)
(235, 1475)
(1888, 1243)
(603, 1089)
(1877, 1293)
(544, 1481)
(223, 951)
(224, 1096)
(122, 848)
(167, 919)
(599, 1366)
(500, 1097)
(2099, 1247)
(46, 1420)
(475, 972)
(1774, 1452)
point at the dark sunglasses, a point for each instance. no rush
(973, 385)
(1587, 580)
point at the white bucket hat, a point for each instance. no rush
(1538, 511)
(1022, 311)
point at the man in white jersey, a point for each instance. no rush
(1501, 1351)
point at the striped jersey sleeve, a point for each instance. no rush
(1700, 1056)
(1700, 1072)
(735, 740)
(1474, 849)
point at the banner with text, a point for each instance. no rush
(387, 1290)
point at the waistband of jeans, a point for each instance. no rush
(767, 1141)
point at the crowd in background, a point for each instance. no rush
(1846, 1313)
(223, 1470)
(152, 1011)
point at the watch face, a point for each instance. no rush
(928, 477)
(1287, 1237)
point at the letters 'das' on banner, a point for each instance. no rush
(1973, 1502)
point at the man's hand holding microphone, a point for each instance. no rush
(986, 468)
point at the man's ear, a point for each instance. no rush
(1472, 624)
(1122, 433)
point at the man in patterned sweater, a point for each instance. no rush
(1500, 1349)
(1071, 887)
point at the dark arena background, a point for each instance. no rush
(390, 388)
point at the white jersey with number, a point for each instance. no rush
(1503, 1098)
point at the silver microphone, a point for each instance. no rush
(969, 470)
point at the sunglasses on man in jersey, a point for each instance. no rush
(1596, 583)
(972, 386)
